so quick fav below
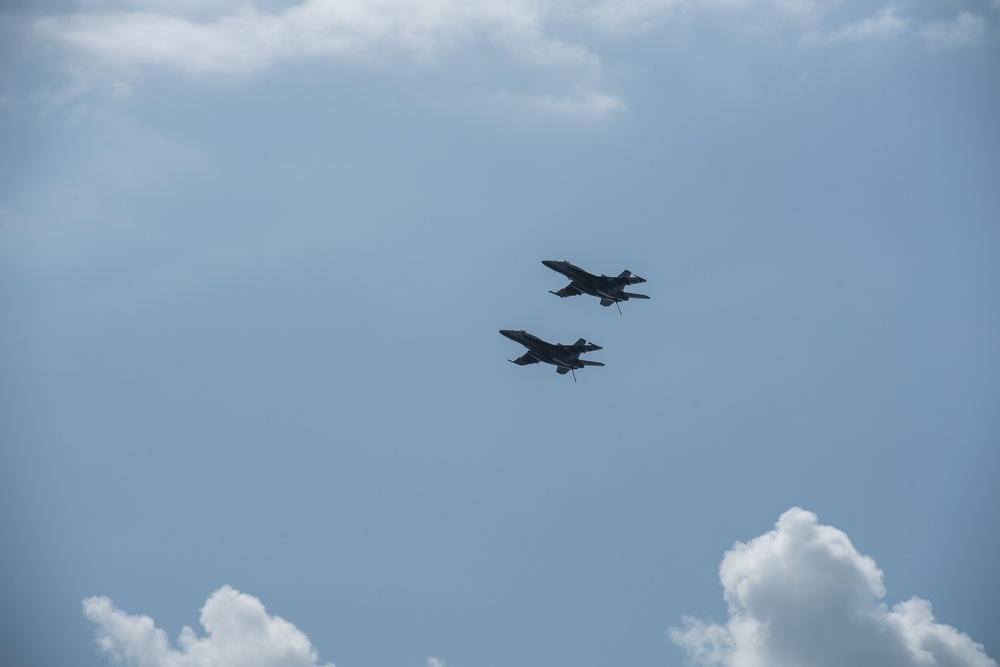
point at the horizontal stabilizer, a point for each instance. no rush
(632, 295)
(586, 362)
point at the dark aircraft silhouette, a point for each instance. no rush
(610, 290)
(565, 358)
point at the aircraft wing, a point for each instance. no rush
(524, 360)
(569, 290)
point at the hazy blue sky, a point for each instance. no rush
(253, 261)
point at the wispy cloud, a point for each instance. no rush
(374, 33)
(246, 40)
(551, 40)
(964, 30)
(637, 16)
(239, 633)
(886, 23)
(802, 594)
(586, 105)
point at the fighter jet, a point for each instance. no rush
(565, 358)
(610, 290)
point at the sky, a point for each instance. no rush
(255, 409)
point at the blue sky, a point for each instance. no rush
(253, 261)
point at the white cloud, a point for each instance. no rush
(964, 30)
(583, 106)
(246, 40)
(636, 16)
(243, 41)
(239, 633)
(120, 39)
(886, 23)
(802, 595)
(181, 7)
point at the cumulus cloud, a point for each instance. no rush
(802, 595)
(238, 633)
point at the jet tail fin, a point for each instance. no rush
(626, 278)
(582, 341)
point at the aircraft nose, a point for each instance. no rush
(551, 263)
(509, 333)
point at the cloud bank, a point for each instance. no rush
(232, 38)
(245, 39)
(375, 33)
(239, 633)
(801, 595)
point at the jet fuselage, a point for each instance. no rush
(562, 356)
(610, 289)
